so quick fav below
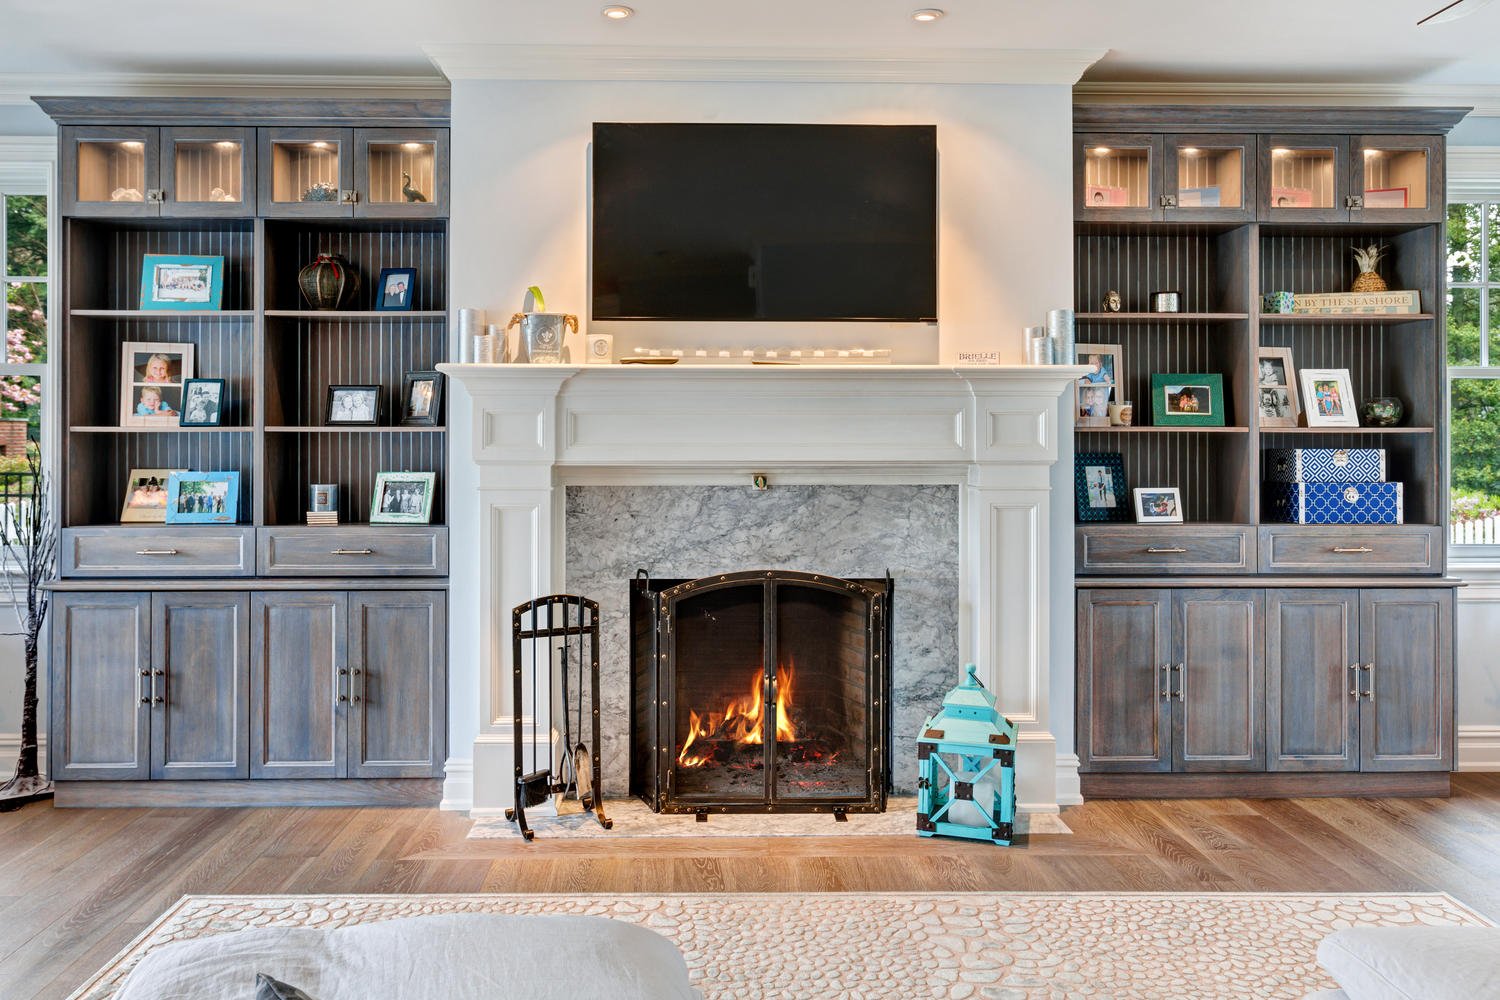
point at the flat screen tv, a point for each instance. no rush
(765, 222)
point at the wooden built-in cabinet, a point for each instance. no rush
(1259, 639)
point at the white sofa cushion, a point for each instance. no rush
(1414, 963)
(468, 956)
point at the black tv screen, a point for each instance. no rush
(765, 222)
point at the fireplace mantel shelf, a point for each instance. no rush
(1028, 373)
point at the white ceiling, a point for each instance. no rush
(1295, 41)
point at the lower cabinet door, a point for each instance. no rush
(1312, 666)
(299, 685)
(1218, 680)
(199, 712)
(100, 692)
(398, 666)
(1124, 715)
(1406, 684)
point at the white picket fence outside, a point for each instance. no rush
(1475, 531)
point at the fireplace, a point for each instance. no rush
(762, 691)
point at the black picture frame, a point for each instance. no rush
(334, 391)
(1090, 468)
(189, 405)
(390, 303)
(416, 416)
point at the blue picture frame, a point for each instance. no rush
(1099, 488)
(182, 282)
(203, 498)
(391, 280)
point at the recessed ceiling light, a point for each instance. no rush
(1101, 151)
(320, 145)
(132, 145)
(412, 147)
(1191, 150)
(1280, 151)
(926, 15)
(617, 12)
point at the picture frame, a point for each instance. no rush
(421, 398)
(1092, 392)
(1099, 489)
(203, 498)
(1158, 505)
(175, 281)
(146, 496)
(1105, 196)
(1276, 387)
(1187, 400)
(202, 402)
(1392, 197)
(403, 497)
(1330, 397)
(353, 405)
(152, 374)
(1287, 197)
(394, 292)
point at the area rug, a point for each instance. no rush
(872, 946)
(633, 818)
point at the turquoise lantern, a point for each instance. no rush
(966, 768)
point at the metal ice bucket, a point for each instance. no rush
(542, 334)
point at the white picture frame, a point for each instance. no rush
(152, 374)
(1157, 505)
(1329, 396)
(1093, 392)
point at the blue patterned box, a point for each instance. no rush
(1334, 503)
(1277, 302)
(1324, 465)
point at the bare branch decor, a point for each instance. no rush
(29, 537)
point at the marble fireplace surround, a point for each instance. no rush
(991, 431)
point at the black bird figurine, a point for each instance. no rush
(411, 193)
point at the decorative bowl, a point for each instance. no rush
(1382, 411)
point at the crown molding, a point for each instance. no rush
(1059, 67)
(18, 88)
(1483, 98)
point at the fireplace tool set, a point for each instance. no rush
(555, 645)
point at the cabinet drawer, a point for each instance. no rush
(1352, 549)
(1182, 549)
(354, 551)
(164, 553)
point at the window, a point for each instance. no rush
(1474, 371)
(26, 240)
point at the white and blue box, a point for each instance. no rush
(1324, 465)
(1334, 503)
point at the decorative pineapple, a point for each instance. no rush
(1368, 259)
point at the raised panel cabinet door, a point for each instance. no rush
(1406, 701)
(299, 685)
(398, 668)
(1312, 662)
(99, 697)
(1218, 680)
(1124, 717)
(200, 643)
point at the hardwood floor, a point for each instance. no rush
(78, 885)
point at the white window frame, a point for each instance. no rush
(28, 165)
(1474, 176)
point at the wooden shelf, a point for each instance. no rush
(164, 313)
(338, 315)
(357, 429)
(1342, 319)
(1163, 318)
(1347, 430)
(1161, 430)
(165, 429)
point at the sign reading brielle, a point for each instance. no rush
(979, 357)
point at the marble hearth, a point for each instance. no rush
(940, 474)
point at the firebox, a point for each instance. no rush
(761, 691)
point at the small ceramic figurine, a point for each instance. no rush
(409, 192)
(1112, 301)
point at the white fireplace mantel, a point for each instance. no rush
(991, 430)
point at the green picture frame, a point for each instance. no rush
(1192, 399)
(403, 498)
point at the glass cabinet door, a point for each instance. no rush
(1209, 177)
(401, 172)
(306, 172)
(1396, 178)
(208, 171)
(110, 172)
(1304, 178)
(1115, 177)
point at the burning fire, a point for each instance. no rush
(742, 721)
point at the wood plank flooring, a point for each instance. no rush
(78, 885)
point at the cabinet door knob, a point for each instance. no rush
(1169, 201)
(1354, 202)
(156, 195)
(343, 671)
(348, 197)
(343, 697)
(159, 700)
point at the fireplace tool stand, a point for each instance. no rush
(548, 637)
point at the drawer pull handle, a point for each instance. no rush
(1163, 550)
(156, 552)
(1356, 551)
(352, 552)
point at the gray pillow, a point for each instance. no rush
(1414, 963)
(267, 988)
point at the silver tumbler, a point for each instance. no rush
(1038, 346)
(1060, 330)
(323, 497)
(470, 325)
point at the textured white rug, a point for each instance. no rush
(979, 946)
(633, 818)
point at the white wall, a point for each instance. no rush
(1477, 682)
(520, 203)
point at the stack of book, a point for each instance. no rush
(322, 517)
(1343, 303)
(1330, 486)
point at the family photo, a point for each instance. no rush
(1158, 505)
(1184, 399)
(353, 404)
(202, 403)
(402, 497)
(1101, 486)
(145, 496)
(152, 376)
(394, 291)
(1275, 403)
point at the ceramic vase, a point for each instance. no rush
(328, 282)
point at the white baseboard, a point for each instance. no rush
(1069, 791)
(10, 748)
(458, 785)
(1479, 748)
